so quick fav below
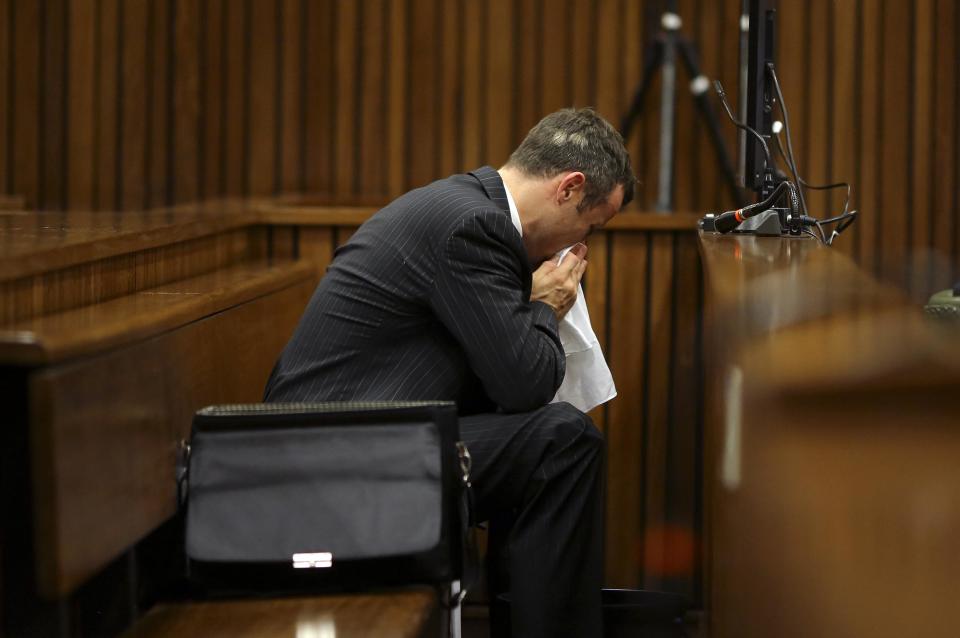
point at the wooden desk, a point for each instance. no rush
(833, 482)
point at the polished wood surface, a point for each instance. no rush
(116, 107)
(41, 242)
(122, 320)
(831, 478)
(384, 615)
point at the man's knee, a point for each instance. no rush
(570, 425)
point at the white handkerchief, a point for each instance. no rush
(588, 382)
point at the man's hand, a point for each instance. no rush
(556, 284)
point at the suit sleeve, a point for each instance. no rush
(511, 343)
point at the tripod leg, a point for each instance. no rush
(668, 106)
(709, 116)
(654, 58)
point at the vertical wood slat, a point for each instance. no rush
(319, 99)
(583, 26)
(52, 186)
(527, 65)
(235, 104)
(291, 135)
(186, 101)
(945, 143)
(210, 163)
(397, 136)
(263, 79)
(819, 115)
(608, 97)
(552, 89)
(450, 88)
(792, 70)
(107, 101)
(473, 131)
(895, 208)
(646, 162)
(868, 125)
(922, 109)
(131, 159)
(422, 152)
(369, 176)
(845, 77)
(499, 82)
(6, 97)
(25, 97)
(656, 418)
(347, 17)
(629, 263)
(80, 125)
(158, 95)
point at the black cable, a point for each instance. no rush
(786, 124)
(817, 187)
(768, 159)
(846, 217)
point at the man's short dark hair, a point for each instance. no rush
(578, 140)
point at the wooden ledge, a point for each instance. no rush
(293, 212)
(32, 243)
(403, 614)
(135, 317)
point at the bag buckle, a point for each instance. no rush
(182, 470)
(466, 462)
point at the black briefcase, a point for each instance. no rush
(326, 496)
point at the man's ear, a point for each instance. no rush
(570, 184)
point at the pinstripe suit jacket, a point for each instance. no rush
(430, 299)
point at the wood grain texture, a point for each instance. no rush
(400, 614)
(130, 181)
(6, 100)
(627, 347)
(99, 325)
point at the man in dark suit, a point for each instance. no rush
(450, 292)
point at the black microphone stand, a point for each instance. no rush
(662, 54)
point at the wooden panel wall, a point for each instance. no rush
(128, 104)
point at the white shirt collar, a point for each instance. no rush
(514, 213)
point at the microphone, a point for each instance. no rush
(725, 222)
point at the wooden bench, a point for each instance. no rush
(114, 329)
(832, 482)
(408, 614)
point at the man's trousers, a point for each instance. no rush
(539, 478)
